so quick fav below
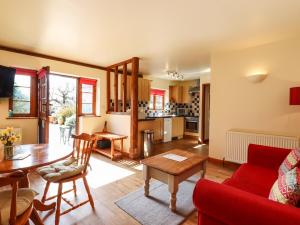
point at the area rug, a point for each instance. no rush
(154, 210)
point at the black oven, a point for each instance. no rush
(192, 124)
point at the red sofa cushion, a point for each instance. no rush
(254, 179)
(266, 156)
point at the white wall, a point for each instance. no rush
(29, 126)
(238, 103)
(120, 124)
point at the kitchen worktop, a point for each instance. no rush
(157, 117)
(149, 118)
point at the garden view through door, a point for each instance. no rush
(62, 108)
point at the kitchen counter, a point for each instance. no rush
(163, 116)
(155, 124)
(147, 119)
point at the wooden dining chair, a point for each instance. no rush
(16, 204)
(70, 170)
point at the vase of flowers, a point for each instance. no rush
(8, 137)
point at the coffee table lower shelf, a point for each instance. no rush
(107, 152)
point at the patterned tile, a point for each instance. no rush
(170, 107)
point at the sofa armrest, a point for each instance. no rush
(233, 206)
(266, 156)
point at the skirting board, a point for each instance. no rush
(224, 163)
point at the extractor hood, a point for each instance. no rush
(195, 89)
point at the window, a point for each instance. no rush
(157, 99)
(23, 102)
(87, 96)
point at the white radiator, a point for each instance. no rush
(17, 131)
(237, 143)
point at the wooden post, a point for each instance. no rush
(108, 90)
(116, 90)
(134, 109)
(124, 87)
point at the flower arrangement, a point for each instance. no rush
(8, 137)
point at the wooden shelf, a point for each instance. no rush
(107, 152)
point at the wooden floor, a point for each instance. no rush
(110, 181)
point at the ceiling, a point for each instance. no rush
(174, 34)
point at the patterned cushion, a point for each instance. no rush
(290, 162)
(286, 188)
(61, 170)
(25, 197)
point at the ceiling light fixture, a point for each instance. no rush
(174, 75)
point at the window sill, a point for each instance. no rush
(89, 116)
(119, 113)
(21, 118)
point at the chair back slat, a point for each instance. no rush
(82, 148)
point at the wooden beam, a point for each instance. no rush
(121, 71)
(134, 109)
(140, 75)
(40, 55)
(124, 87)
(122, 63)
(50, 57)
(116, 90)
(107, 91)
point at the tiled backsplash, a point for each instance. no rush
(196, 103)
(170, 107)
(193, 107)
(120, 104)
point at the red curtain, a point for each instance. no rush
(157, 92)
(27, 72)
(87, 81)
(43, 72)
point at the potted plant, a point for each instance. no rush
(65, 112)
(8, 137)
(61, 120)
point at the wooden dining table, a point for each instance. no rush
(38, 155)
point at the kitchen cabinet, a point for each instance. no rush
(158, 127)
(128, 88)
(178, 127)
(175, 93)
(140, 92)
(180, 92)
(144, 87)
(186, 96)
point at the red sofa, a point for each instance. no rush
(243, 198)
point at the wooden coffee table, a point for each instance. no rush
(172, 172)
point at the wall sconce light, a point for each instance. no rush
(257, 77)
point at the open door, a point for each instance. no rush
(205, 112)
(43, 104)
